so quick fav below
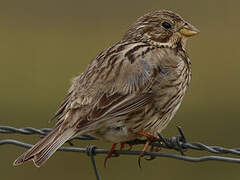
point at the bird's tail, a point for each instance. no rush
(45, 148)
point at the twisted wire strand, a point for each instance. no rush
(170, 143)
(177, 143)
(126, 152)
(30, 131)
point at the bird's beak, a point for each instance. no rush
(188, 30)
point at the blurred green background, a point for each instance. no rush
(43, 44)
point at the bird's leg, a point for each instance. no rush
(150, 137)
(110, 154)
(144, 148)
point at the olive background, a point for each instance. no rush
(43, 44)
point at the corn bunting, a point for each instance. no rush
(130, 90)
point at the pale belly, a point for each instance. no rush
(115, 133)
(121, 131)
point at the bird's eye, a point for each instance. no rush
(166, 25)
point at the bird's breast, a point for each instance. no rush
(169, 89)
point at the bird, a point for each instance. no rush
(130, 90)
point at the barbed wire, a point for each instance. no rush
(178, 143)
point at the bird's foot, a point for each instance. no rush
(154, 149)
(111, 152)
(150, 138)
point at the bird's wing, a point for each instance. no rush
(117, 83)
(118, 87)
(112, 77)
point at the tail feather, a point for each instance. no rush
(45, 148)
(48, 151)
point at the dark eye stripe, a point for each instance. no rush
(166, 25)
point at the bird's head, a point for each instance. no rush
(162, 28)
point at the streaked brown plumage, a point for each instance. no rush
(134, 86)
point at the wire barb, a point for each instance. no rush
(178, 143)
(175, 142)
